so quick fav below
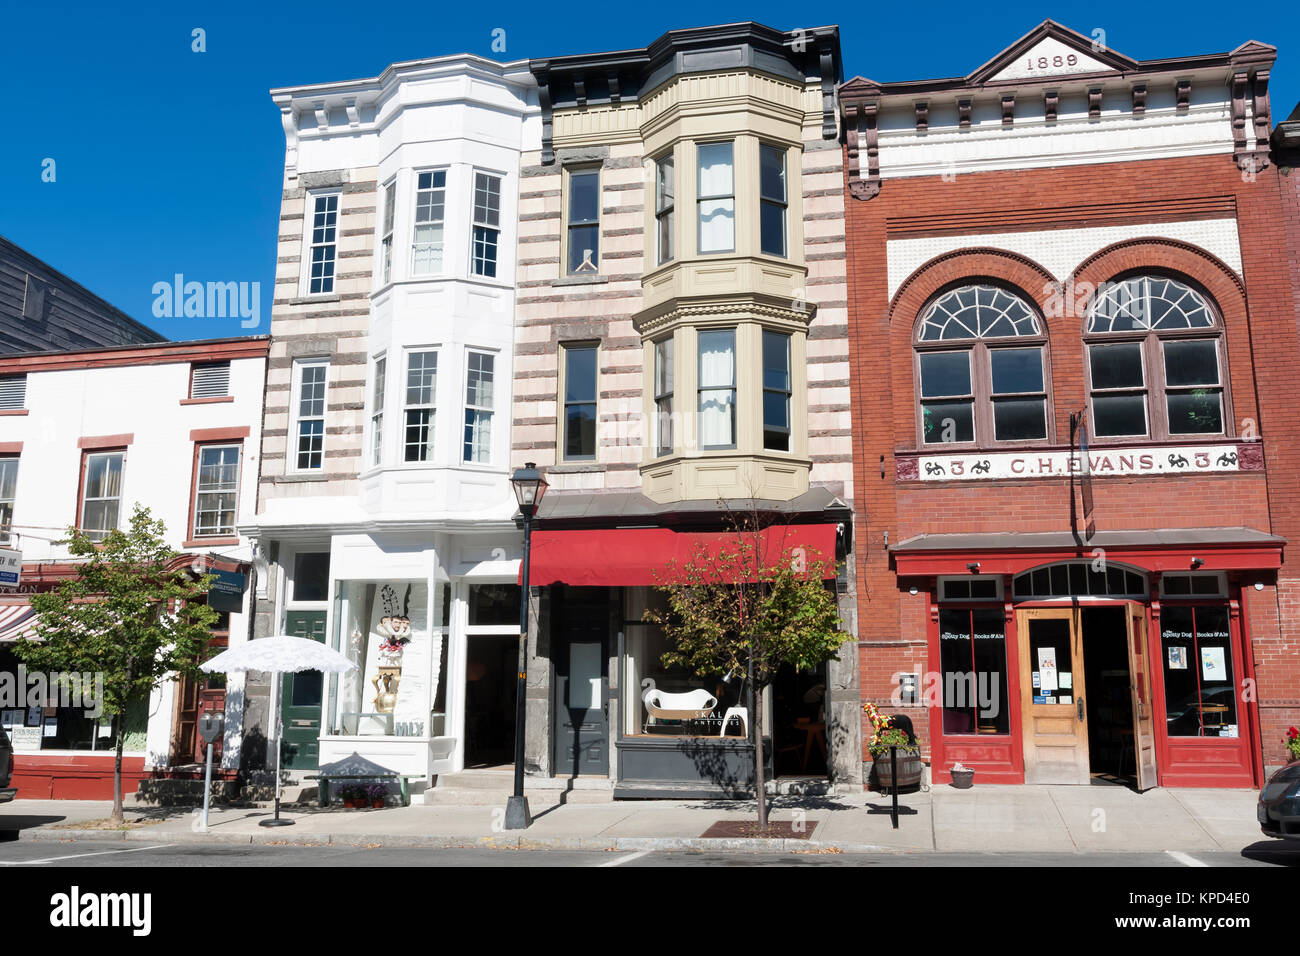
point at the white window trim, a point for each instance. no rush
(491, 411)
(295, 417)
(387, 229)
(198, 473)
(447, 184)
(378, 399)
(502, 194)
(431, 406)
(6, 532)
(309, 213)
(121, 491)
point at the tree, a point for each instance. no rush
(129, 617)
(747, 608)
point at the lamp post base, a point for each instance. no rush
(517, 815)
(276, 822)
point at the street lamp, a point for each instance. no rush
(529, 486)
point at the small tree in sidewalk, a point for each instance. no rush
(747, 608)
(129, 618)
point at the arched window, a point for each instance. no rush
(980, 369)
(1155, 361)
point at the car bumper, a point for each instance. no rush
(7, 795)
(1273, 822)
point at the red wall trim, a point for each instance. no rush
(167, 353)
(106, 441)
(219, 434)
(11, 448)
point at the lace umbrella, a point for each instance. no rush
(283, 654)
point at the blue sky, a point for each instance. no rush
(170, 161)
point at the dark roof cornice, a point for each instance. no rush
(624, 76)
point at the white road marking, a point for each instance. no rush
(628, 858)
(77, 856)
(1185, 859)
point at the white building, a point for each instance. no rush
(384, 489)
(85, 436)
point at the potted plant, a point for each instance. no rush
(962, 777)
(1293, 744)
(886, 734)
(354, 795)
(376, 795)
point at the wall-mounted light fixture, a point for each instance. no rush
(1197, 562)
(973, 567)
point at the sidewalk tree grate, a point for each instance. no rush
(776, 830)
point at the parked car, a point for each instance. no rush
(6, 768)
(1279, 804)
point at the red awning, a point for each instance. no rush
(622, 557)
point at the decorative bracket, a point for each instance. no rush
(963, 114)
(861, 120)
(1094, 103)
(1183, 91)
(922, 117)
(1051, 102)
(827, 65)
(1139, 99)
(1009, 109)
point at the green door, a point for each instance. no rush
(301, 696)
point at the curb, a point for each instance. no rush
(42, 835)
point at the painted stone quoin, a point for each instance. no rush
(1078, 468)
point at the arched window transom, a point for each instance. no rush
(978, 312)
(1149, 303)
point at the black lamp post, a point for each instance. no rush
(529, 487)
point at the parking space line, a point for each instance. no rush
(78, 856)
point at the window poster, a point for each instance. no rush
(51, 727)
(1178, 658)
(1047, 669)
(1037, 680)
(1228, 730)
(1039, 699)
(1066, 680)
(33, 716)
(1213, 666)
(1066, 698)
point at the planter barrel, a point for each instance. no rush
(962, 779)
(910, 769)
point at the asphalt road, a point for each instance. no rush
(87, 854)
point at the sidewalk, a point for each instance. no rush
(983, 819)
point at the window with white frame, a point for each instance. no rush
(773, 200)
(487, 224)
(716, 197)
(216, 490)
(421, 393)
(479, 407)
(309, 415)
(322, 242)
(380, 383)
(13, 392)
(101, 492)
(664, 396)
(8, 491)
(665, 207)
(210, 380)
(386, 237)
(430, 216)
(717, 388)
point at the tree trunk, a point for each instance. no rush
(760, 779)
(117, 816)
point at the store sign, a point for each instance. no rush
(227, 593)
(1100, 463)
(11, 567)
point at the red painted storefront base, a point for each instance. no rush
(73, 776)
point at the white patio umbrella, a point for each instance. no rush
(278, 655)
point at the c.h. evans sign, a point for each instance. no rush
(1148, 460)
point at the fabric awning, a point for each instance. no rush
(624, 557)
(16, 621)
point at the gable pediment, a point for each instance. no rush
(1051, 50)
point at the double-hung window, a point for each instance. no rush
(386, 239)
(479, 406)
(716, 197)
(776, 391)
(309, 415)
(1155, 364)
(430, 216)
(322, 242)
(665, 205)
(101, 492)
(8, 491)
(717, 388)
(487, 224)
(379, 385)
(580, 402)
(421, 394)
(981, 369)
(216, 490)
(583, 236)
(773, 200)
(664, 396)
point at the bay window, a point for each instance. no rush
(663, 396)
(421, 394)
(981, 369)
(479, 407)
(717, 388)
(665, 206)
(776, 391)
(716, 197)
(487, 224)
(377, 411)
(386, 235)
(772, 200)
(1155, 361)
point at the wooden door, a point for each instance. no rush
(1139, 670)
(301, 696)
(1055, 734)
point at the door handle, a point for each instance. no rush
(1080, 708)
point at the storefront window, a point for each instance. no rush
(384, 629)
(973, 659)
(1200, 693)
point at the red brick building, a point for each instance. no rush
(1072, 250)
